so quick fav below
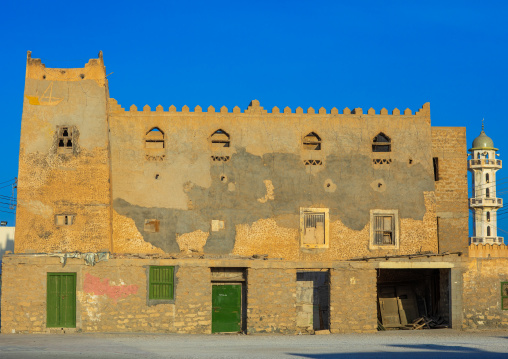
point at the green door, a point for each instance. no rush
(226, 308)
(61, 300)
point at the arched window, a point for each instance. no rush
(64, 139)
(312, 142)
(381, 143)
(487, 179)
(487, 192)
(488, 231)
(154, 138)
(488, 216)
(478, 155)
(219, 139)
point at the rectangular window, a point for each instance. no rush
(161, 283)
(65, 141)
(384, 229)
(314, 227)
(64, 219)
(504, 295)
(435, 162)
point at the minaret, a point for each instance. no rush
(484, 202)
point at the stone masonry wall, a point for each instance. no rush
(449, 146)
(353, 301)
(482, 294)
(271, 300)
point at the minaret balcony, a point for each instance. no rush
(485, 202)
(484, 163)
(486, 240)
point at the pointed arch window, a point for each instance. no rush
(154, 138)
(312, 142)
(220, 139)
(381, 143)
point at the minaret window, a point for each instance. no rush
(312, 142)
(487, 180)
(488, 216)
(487, 192)
(488, 231)
(381, 143)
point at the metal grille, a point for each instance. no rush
(383, 230)
(311, 219)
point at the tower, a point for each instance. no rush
(484, 202)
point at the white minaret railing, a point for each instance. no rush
(484, 202)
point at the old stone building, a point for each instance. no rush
(204, 221)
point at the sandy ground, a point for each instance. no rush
(430, 344)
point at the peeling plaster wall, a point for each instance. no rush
(265, 182)
(51, 183)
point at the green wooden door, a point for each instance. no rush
(61, 300)
(226, 308)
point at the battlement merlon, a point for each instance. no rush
(94, 69)
(254, 107)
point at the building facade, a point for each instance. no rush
(229, 220)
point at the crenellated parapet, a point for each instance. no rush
(94, 69)
(255, 108)
(488, 251)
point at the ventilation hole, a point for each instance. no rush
(44, 77)
(157, 176)
(328, 185)
(379, 184)
(223, 178)
(69, 143)
(82, 76)
(410, 161)
(61, 143)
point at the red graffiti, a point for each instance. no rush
(97, 286)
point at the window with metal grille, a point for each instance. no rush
(381, 143)
(504, 295)
(161, 282)
(154, 138)
(314, 227)
(65, 142)
(383, 230)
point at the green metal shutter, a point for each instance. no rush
(161, 283)
(61, 300)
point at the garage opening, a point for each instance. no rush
(413, 298)
(312, 300)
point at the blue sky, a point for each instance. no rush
(377, 54)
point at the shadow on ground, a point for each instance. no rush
(414, 352)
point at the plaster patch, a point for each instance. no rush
(330, 186)
(94, 285)
(378, 185)
(127, 238)
(269, 192)
(39, 208)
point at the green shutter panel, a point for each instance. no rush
(161, 283)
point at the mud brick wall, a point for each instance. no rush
(110, 296)
(482, 294)
(271, 300)
(449, 146)
(353, 301)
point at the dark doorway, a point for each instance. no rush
(312, 301)
(405, 296)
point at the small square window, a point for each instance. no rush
(65, 141)
(504, 295)
(384, 229)
(152, 225)
(64, 219)
(314, 227)
(161, 283)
